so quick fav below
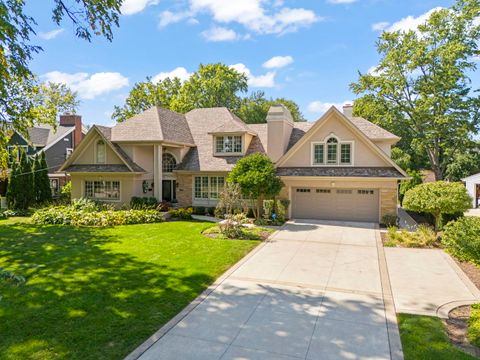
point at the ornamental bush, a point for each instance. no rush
(438, 198)
(69, 215)
(182, 213)
(462, 238)
(139, 203)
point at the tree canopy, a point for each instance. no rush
(421, 89)
(212, 85)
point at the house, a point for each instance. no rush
(57, 142)
(338, 167)
(472, 183)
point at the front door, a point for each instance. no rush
(168, 190)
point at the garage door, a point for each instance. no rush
(335, 204)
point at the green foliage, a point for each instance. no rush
(199, 210)
(278, 207)
(474, 325)
(72, 215)
(424, 236)
(245, 233)
(11, 277)
(421, 89)
(256, 176)
(232, 226)
(425, 338)
(66, 192)
(181, 213)
(462, 238)
(139, 203)
(254, 108)
(389, 220)
(464, 165)
(438, 198)
(42, 187)
(416, 179)
(20, 192)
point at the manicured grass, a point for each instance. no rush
(424, 337)
(98, 293)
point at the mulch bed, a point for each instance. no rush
(457, 329)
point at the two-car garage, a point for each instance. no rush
(335, 204)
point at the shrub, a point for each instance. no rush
(232, 226)
(423, 237)
(68, 215)
(438, 198)
(182, 213)
(389, 220)
(139, 203)
(84, 204)
(279, 207)
(462, 238)
(163, 206)
(199, 210)
(66, 191)
(9, 213)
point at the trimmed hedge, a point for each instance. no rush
(462, 238)
(67, 215)
(141, 203)
(181, 213)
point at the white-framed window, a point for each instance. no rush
(68, 152)
(102, 190)
(169, 163)
(228, 144)
(208, 187)
(332, 152)
(100, 152)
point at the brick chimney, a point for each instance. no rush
(279, 128)
(73, 120)
(348, 110)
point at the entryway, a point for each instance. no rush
(169, 190)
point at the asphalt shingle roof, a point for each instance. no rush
(383, 172)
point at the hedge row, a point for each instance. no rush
(66, 215)
(462, 238)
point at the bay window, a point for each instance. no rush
(102, 190)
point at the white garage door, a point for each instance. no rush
(335, 204)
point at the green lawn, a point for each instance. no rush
(424, 337)
(98, 293)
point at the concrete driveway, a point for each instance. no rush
(314, 291)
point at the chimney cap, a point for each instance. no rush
(347, 105)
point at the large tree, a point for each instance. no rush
(421, 88)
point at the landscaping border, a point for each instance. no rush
(142, 348)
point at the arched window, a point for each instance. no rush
(332, 150)
(100, 152)
(168, 163)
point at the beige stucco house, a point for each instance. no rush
(337, 168)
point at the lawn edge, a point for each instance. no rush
(142, 348)
(394, 340)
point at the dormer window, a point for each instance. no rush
(100, 152)
(228, 144)
(332, 152)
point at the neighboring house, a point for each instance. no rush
(338, 167)
(472, 184)
(57, 143)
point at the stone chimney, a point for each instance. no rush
(279, 128)
(73, 120)
(348, 110)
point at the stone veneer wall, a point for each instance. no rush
(184, 190)
(388, 202)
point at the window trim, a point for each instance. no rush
(67, 155)
(103, 200)
(174, 157)
(208, 191)
(96, 151)
(242, 144)
(339, 152)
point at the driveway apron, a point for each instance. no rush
(313, 291)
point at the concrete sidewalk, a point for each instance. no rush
(314, 291)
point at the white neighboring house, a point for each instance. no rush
(472, 184)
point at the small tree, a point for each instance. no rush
(42, 183)
(12, 184)
(230, 199)
(20, 193)
(256, 176)
(35, 178)
(438, 198)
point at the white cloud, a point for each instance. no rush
(407, 23)
(216, 34)
(278, 62)
(167, 17)
(49, 35)
(130, 7)
(179, 72)
(380, 26)
(341, 1)
(320, 107)
(265, 80)
(253, 15)
(89, 86)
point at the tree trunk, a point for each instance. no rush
(438, 222)
(259, 207)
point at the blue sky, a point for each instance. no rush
(317, 46)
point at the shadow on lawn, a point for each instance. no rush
(82, 301)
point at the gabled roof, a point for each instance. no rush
(372, 130)
(152, 125)
(230, 123)
(46, 135)
(351, 126)
(105, 134)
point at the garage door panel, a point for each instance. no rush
(335, 204)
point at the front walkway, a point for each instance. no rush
(314, 291)
(428, 282)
